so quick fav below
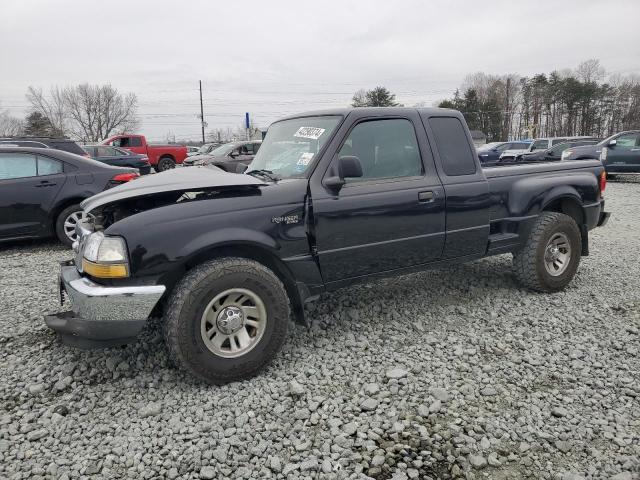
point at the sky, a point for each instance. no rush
(275, 58)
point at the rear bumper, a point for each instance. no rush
(101, 316)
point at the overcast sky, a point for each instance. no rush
(273, 58)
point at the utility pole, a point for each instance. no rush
(508, 113)
(201, 111)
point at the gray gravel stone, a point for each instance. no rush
(369, 404)
(208, 472)
(559, 412)
(477, 461)
(397, 373)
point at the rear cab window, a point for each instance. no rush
(453, 146)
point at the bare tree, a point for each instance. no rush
(87, 112)
(96, 112)
(10, 126)
(52, 108)
(590, 71)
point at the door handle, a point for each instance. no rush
(426, 197)
(45, 184)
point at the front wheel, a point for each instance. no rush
(165, 163)
(550, 258)
(226, 319)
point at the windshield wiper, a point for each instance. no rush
(264, 173)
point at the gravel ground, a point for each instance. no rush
(444, 374)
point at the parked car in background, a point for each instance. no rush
(204, 150)
(58, 143)
(119, 157)
(228, 156)
(540, 144)
(41, 190)
(161, 157)
(619, 153)
(192, 150)
(490, 152)
(553, 153)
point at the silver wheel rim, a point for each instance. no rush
(233, 323)
(70, 224)
(557, 254)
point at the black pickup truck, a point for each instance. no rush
(332, 198)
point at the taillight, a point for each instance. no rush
(603, 181)
(125, 177)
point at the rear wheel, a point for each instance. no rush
(550, 258)
(66, 223)
(226, 320)
(165, 163)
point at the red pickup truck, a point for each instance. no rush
(161, 157)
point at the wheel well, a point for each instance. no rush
(261, 255)
(569, 206)
(59, 208)
(166, 155)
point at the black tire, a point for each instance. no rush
(165, 163)
(529, 263)
(189, 300)
(60, 221)
(611, 176)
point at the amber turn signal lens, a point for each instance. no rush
(110, 270)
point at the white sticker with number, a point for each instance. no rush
(305, 158)
(313, 133)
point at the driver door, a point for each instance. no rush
(392, 217)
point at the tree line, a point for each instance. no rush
(584, 101)
(85, 112)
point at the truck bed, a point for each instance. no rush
(510, 169)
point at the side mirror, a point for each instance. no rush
(345, 167)
(613, 143)
(241, 168)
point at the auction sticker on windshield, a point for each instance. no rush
(313, 133)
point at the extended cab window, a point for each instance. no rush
(17, 165)
(453, 146)
(386, 149)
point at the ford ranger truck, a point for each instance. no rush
(332, 198)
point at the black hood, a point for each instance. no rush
(179, 179)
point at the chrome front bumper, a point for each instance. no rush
(101, 315)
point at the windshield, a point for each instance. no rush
(291, 145)
(205, 148)
(222, 150)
